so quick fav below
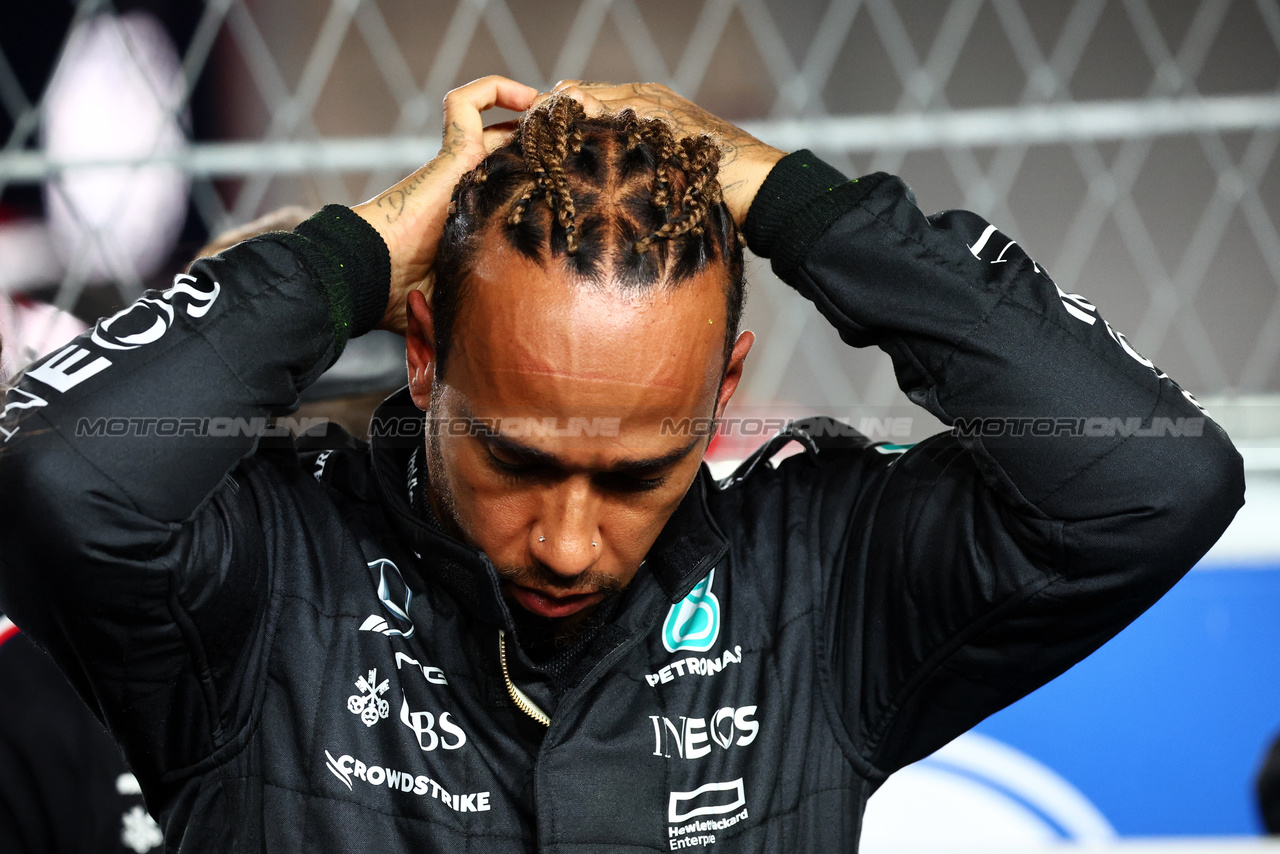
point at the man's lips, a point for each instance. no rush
(550, 606)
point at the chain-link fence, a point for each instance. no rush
(1128, 144)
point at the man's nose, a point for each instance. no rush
(566, 538)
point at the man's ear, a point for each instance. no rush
(733, 373)
(420, 349)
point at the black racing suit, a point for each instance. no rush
(294, 660)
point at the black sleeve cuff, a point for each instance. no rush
(353, 266)
(797, 202)
(792, 183)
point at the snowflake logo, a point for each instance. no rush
(140, 831)
(368, 704)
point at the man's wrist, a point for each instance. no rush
(752, 164)
(791, 185)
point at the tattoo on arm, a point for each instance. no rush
(395, 198)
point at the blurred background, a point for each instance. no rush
(1129, 145)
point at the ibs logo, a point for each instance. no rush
(693, 623)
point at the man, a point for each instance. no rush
(537, 623)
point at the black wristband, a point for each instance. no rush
(793, 183)
(795, 206)
(354, 267)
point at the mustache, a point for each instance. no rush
(538, 576)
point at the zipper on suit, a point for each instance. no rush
(522, 700)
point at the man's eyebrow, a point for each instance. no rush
(663, 461)
(541, 457)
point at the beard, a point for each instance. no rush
(444, 502)
(539, 576)
(543, 636)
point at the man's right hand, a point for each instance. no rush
(410, 216)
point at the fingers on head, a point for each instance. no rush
(591, 105)
(491, 91)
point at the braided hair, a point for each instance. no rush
(615, 198)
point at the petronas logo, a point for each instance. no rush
(693, 623)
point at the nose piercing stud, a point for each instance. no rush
(544, 539)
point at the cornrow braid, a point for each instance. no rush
(611, 199)
(553, 135)
(522, 203)
(663, 143)
(700, 159)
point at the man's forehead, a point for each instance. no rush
(548, 329)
